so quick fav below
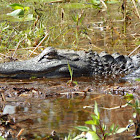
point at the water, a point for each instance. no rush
(49, 105)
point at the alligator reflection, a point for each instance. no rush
(41, 106)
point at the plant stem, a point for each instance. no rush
(102, 131)
(136, 9)
(39, 43)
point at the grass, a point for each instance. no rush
(71, 82)
(69, 27)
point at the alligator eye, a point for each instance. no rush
(50, 54)
(53, 53)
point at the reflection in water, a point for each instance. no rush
(45, 105)
(11, 109)
(62, 114)
(8, 109)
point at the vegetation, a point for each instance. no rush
(71, 82)
(99, 130)
(97, 127)
(1, 138)
(28, 26)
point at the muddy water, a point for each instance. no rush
(53, 105)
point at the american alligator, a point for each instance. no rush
(54, 63)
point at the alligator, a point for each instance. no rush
(52, 63)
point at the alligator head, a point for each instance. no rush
(50, 63)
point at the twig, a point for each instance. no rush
(96, 47)
(39, 43)
(78, 92)
(134, 50)
(103, 4)
(17, 46)
(4, 55)
(20, 132)
(29, 48)
(116, 107)
(136, 8)
(3, 97)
